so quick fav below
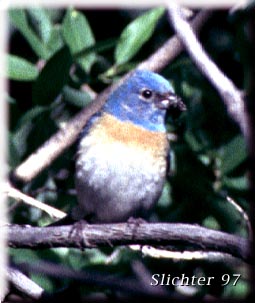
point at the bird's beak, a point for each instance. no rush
(170, 101)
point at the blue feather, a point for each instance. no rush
(126, 103)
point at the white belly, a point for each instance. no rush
(115, 181)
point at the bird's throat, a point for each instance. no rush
(110, 129)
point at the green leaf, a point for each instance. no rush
(42, 280)
(76, 97)
(18, 18)
(233, 154)
(52, 78)
(92, 256)
(98, 47)
(55, 41)
(211, 222)
(78, 36)
(238, 183)
(20, 69)
(165, 198)
(136, 34)
(19, 138)
(192, 141)
(13, 154)
(42, 22)
(30, 115)
(10, 99)
(239, 291)
(115, 70)
(23, 255)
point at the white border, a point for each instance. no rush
(122, 3)
(3, 150)
(118, 4)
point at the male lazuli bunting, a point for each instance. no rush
(123, 151)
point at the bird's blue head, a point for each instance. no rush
(143, 99)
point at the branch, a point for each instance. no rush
(60, 141)
(244, 215)
(131, 287)
(159, 253)
(24, 284)
(188, 237)
(19, 196)
(173, 47)
(230, 95)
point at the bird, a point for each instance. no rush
(122, 156)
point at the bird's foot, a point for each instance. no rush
(136, 221)
(77, 234)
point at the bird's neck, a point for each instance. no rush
(151, 120)
(111, 129)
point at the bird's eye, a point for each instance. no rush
(147, 94)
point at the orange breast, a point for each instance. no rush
(110, 129)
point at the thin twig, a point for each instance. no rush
(243, 214)
(159, 253)
(229, 93)
(19, 196)
(53, 147)
(24, 284)
(181, 237)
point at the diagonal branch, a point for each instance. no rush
(24, 284)
(184, 237)
(60, 141)
(229, 93)
(19, 196)
(172, 47)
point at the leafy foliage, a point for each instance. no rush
(207, 161)
(78, 36)
(20, 69)
(135, 35)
